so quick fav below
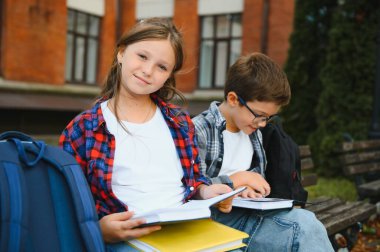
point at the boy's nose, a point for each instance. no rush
(262, 123)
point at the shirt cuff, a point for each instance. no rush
(224, 179)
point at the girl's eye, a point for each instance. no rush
(163, 68)
(142, 56)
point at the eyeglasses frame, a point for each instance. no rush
(264, 118)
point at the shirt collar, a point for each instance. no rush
(220, 121)
(169, 111)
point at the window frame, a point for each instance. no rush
(86, 36)
(215, 41)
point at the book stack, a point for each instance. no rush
(199, 235)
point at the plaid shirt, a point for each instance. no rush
(209, 127)
(86, 137)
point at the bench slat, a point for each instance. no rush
(337, 210)
(360, 157)
(309, 179)
(323, 203)
(360, 145)
(356, 169)
(352, 214)
(307, 164)
(371, 188)
(304, 151)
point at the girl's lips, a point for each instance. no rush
(142, 79)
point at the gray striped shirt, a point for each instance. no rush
(209, 127)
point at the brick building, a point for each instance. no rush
(55, 54)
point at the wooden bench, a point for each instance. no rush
(360, 161)
(335, 214)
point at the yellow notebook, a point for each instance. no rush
(199, 235)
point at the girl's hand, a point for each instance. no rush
(118, 227)
(206, 192)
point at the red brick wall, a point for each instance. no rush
(34, 37)
(2, 7)
(107, 39)
(252, 17)
(280, 27)
(128, 15)
(34, 40)
(187, 21)
(109, 33)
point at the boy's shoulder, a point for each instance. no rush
(211, 116)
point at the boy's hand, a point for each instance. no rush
(250, 193)
(253, 180)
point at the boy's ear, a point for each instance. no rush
(232, 99)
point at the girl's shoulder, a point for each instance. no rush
(89, 119)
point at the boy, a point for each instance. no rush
(231, 152)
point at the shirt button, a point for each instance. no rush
(220, 159)
(191, 188)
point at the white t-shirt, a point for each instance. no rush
(147, 171)
(238, 152)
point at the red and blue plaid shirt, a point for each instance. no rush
(86, 137)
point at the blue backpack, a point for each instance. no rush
(45, 201)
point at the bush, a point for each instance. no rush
(345, 102)
(306, 57)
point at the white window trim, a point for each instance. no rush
(213, 7)
(95, 7)
(154, 8)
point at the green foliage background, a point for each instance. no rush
(333, 77)
(306, 57)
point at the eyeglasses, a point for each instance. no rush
(257, 118)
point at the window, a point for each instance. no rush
(82, 44)
(220, 47)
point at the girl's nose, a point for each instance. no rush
(148, 69)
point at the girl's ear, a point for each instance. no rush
(232, 99)
(120, 55)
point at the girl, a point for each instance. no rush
(136, 149)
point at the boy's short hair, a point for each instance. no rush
(258, 77)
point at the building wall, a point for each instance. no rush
(33, 48)
(280, 27)
(34, 41)
(186, 19)
(252, 23)
(34, 36)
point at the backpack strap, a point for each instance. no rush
(15, 134)
(85, 208)
(13, 233)
(84, 204)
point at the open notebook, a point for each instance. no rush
(192, 210)
(262, 203)
(198, 235)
